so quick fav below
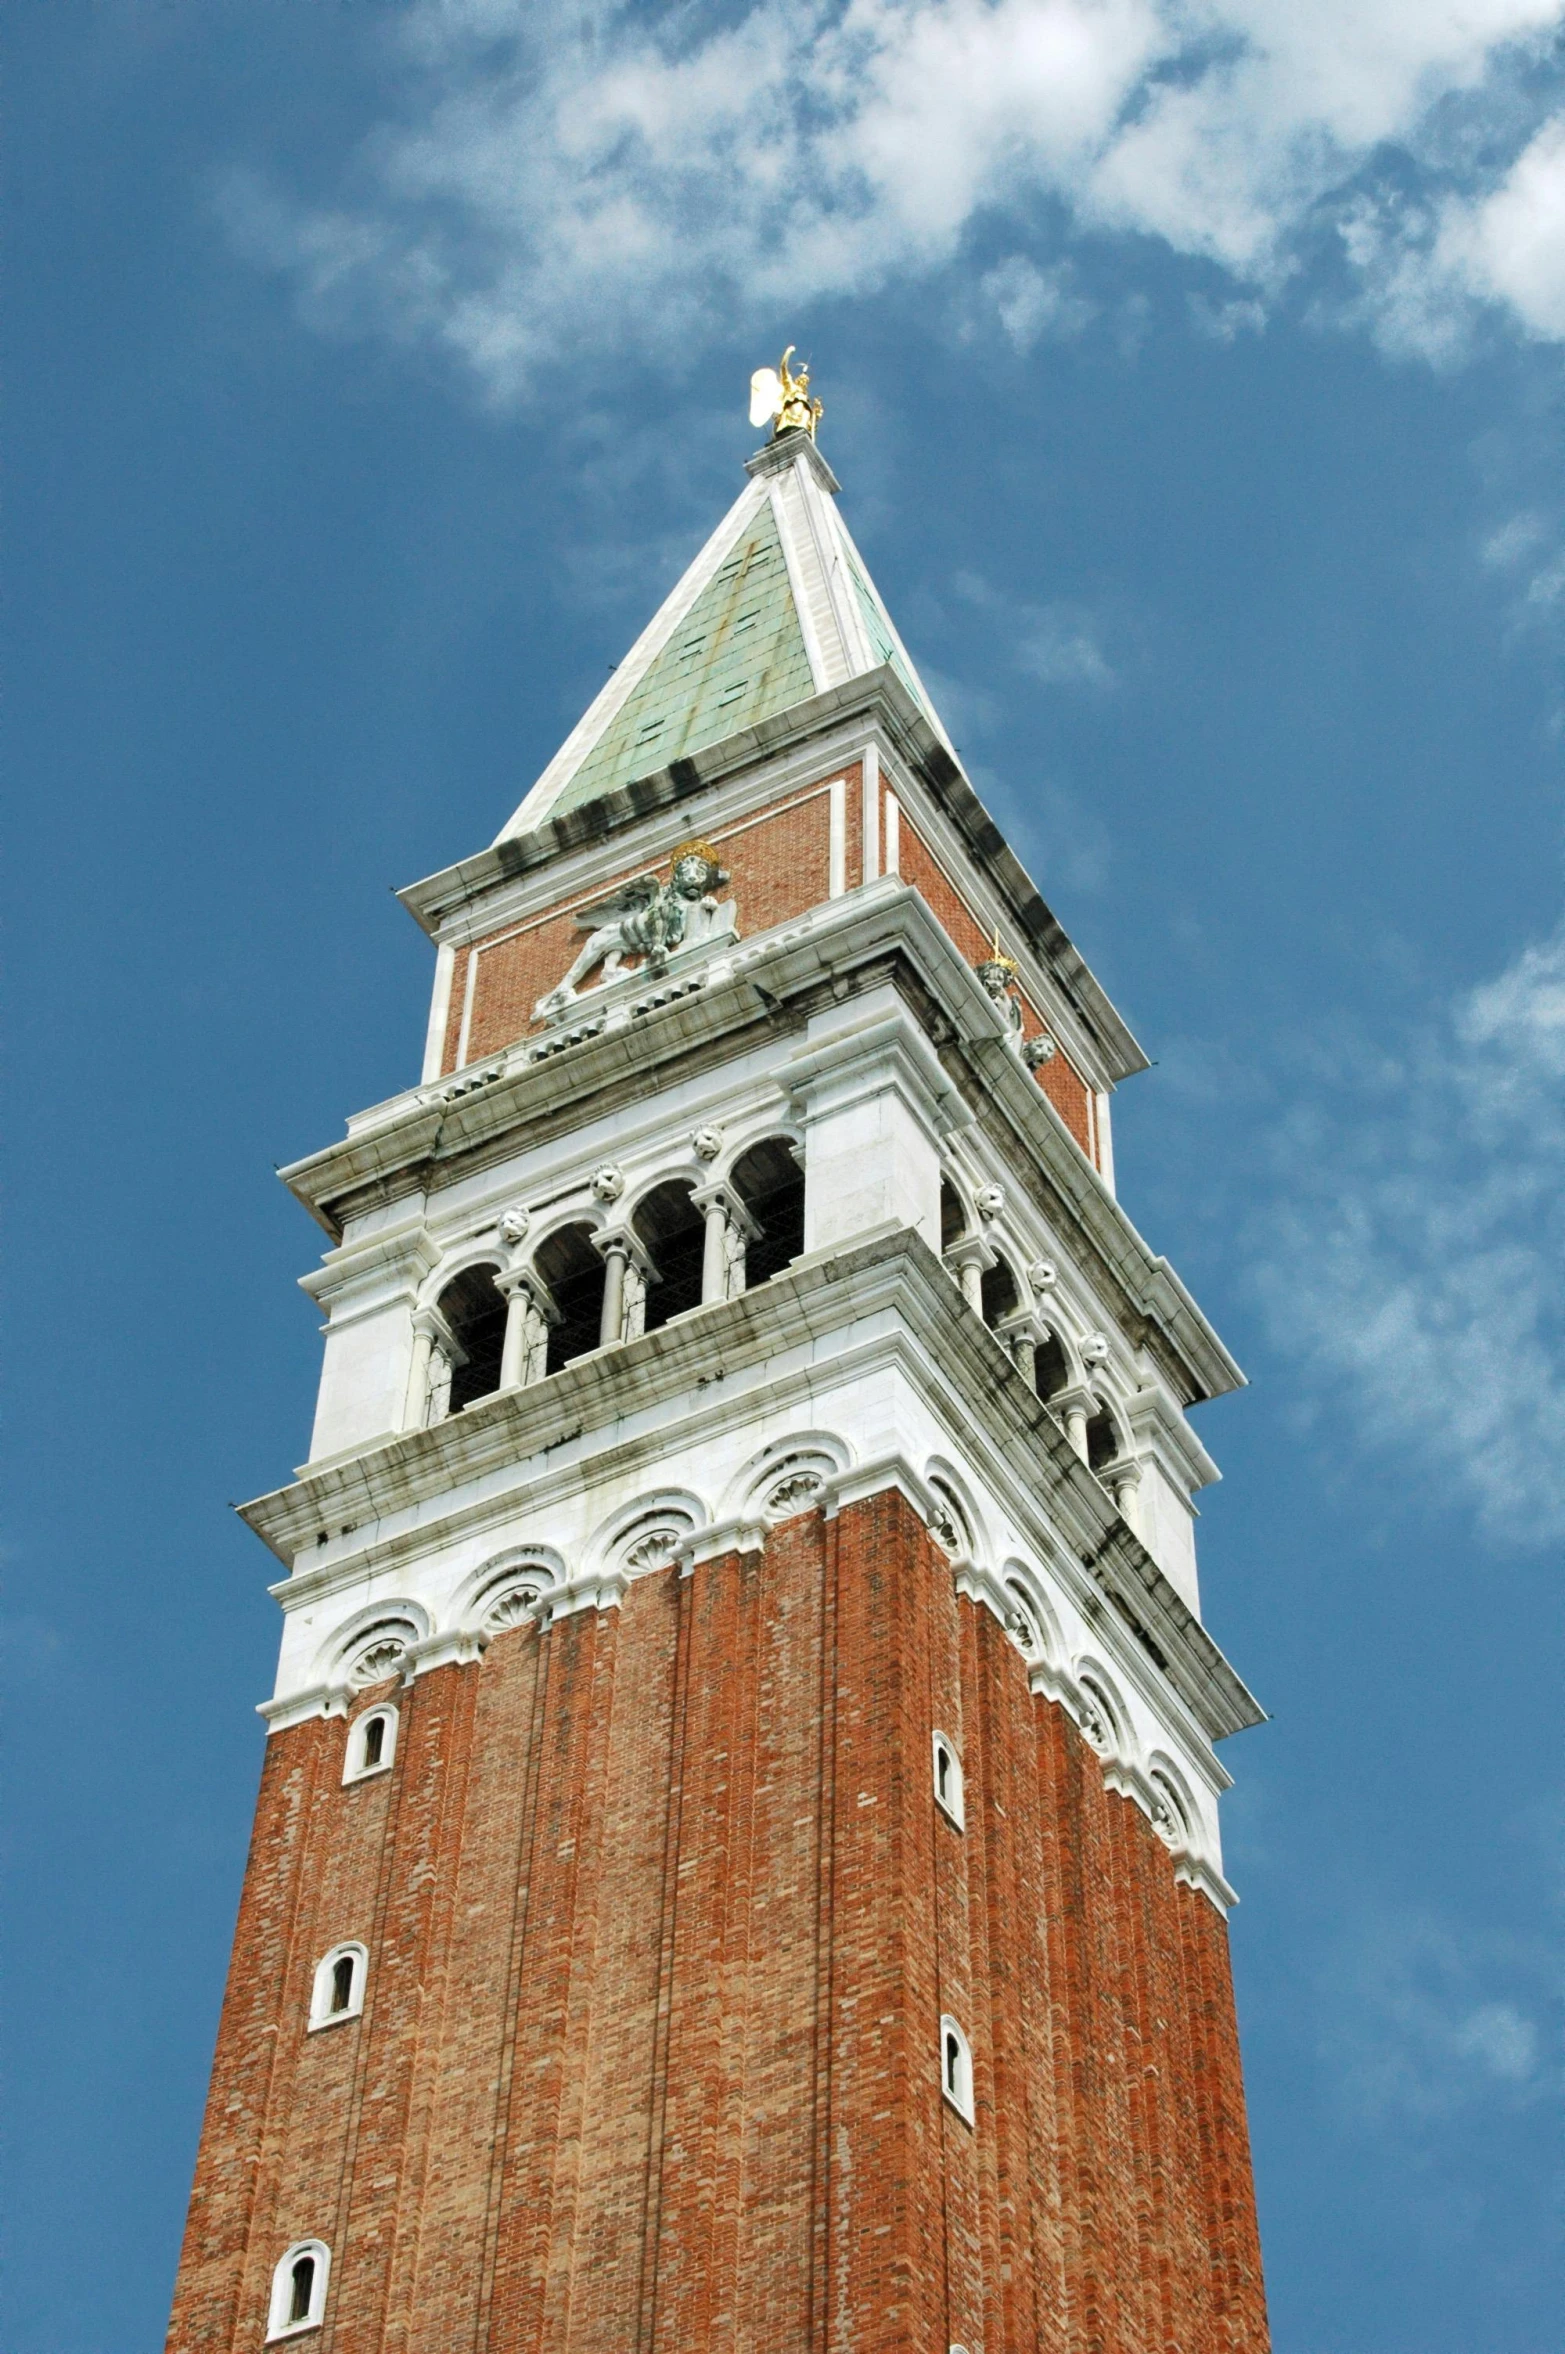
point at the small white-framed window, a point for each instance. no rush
(338, 1991)
(372, 1744)
(299, 2289)
(956, 2068)
(948, 1780)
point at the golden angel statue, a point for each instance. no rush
(784, 397)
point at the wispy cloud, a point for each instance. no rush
(1528, 553)
(1060, 643)
(1033, 305)
(1414, 1269)
(563, 175)
(1422, 2019)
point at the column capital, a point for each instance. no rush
(1024, 1324)
(971, 1250)
(721, 1195)
(607, 1240)
(429, 1324)
(527, 1283)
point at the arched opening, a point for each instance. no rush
(337, 1992)
(1103, 1446)
(1000, 1295)
(475, 1313)
(574, 1274)
(770, 1183)
(298, 2289)
(953, 1218)
(1050, 1367)
(674, 1233)
(372, 1742)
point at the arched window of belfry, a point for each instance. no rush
(1103, 1439)
(673, 1232)
(1051, 1367)
(474, 1313)
(1001, 1297)
(574, 1274)
(770, 1183)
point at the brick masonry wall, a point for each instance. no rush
(662, 1918)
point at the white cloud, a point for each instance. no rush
(581, 173)
(1415, 1272)
(1510, 245)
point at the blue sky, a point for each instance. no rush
(1194, 377)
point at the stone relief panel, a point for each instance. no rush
(648, 922)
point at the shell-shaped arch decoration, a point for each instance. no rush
(1100, 1712)
(375, 1643)
(790, 1476)
(504, 1593)
(649, 1535)
(953, 1516)
(1173, 1813)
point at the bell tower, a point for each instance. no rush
(737, 1860)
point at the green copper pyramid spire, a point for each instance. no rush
(738, 656)
(777, 607)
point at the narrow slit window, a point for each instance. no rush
(956, 2069)
(948, 1781)
(342, 1982)
(374, 1741)
(302, 2284)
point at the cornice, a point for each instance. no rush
(965, 1375)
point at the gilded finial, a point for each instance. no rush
(783, 395)
(996, 972)
(997, 961)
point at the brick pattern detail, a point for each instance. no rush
(662, 1918)
(780, 866)
(1061, 1082)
